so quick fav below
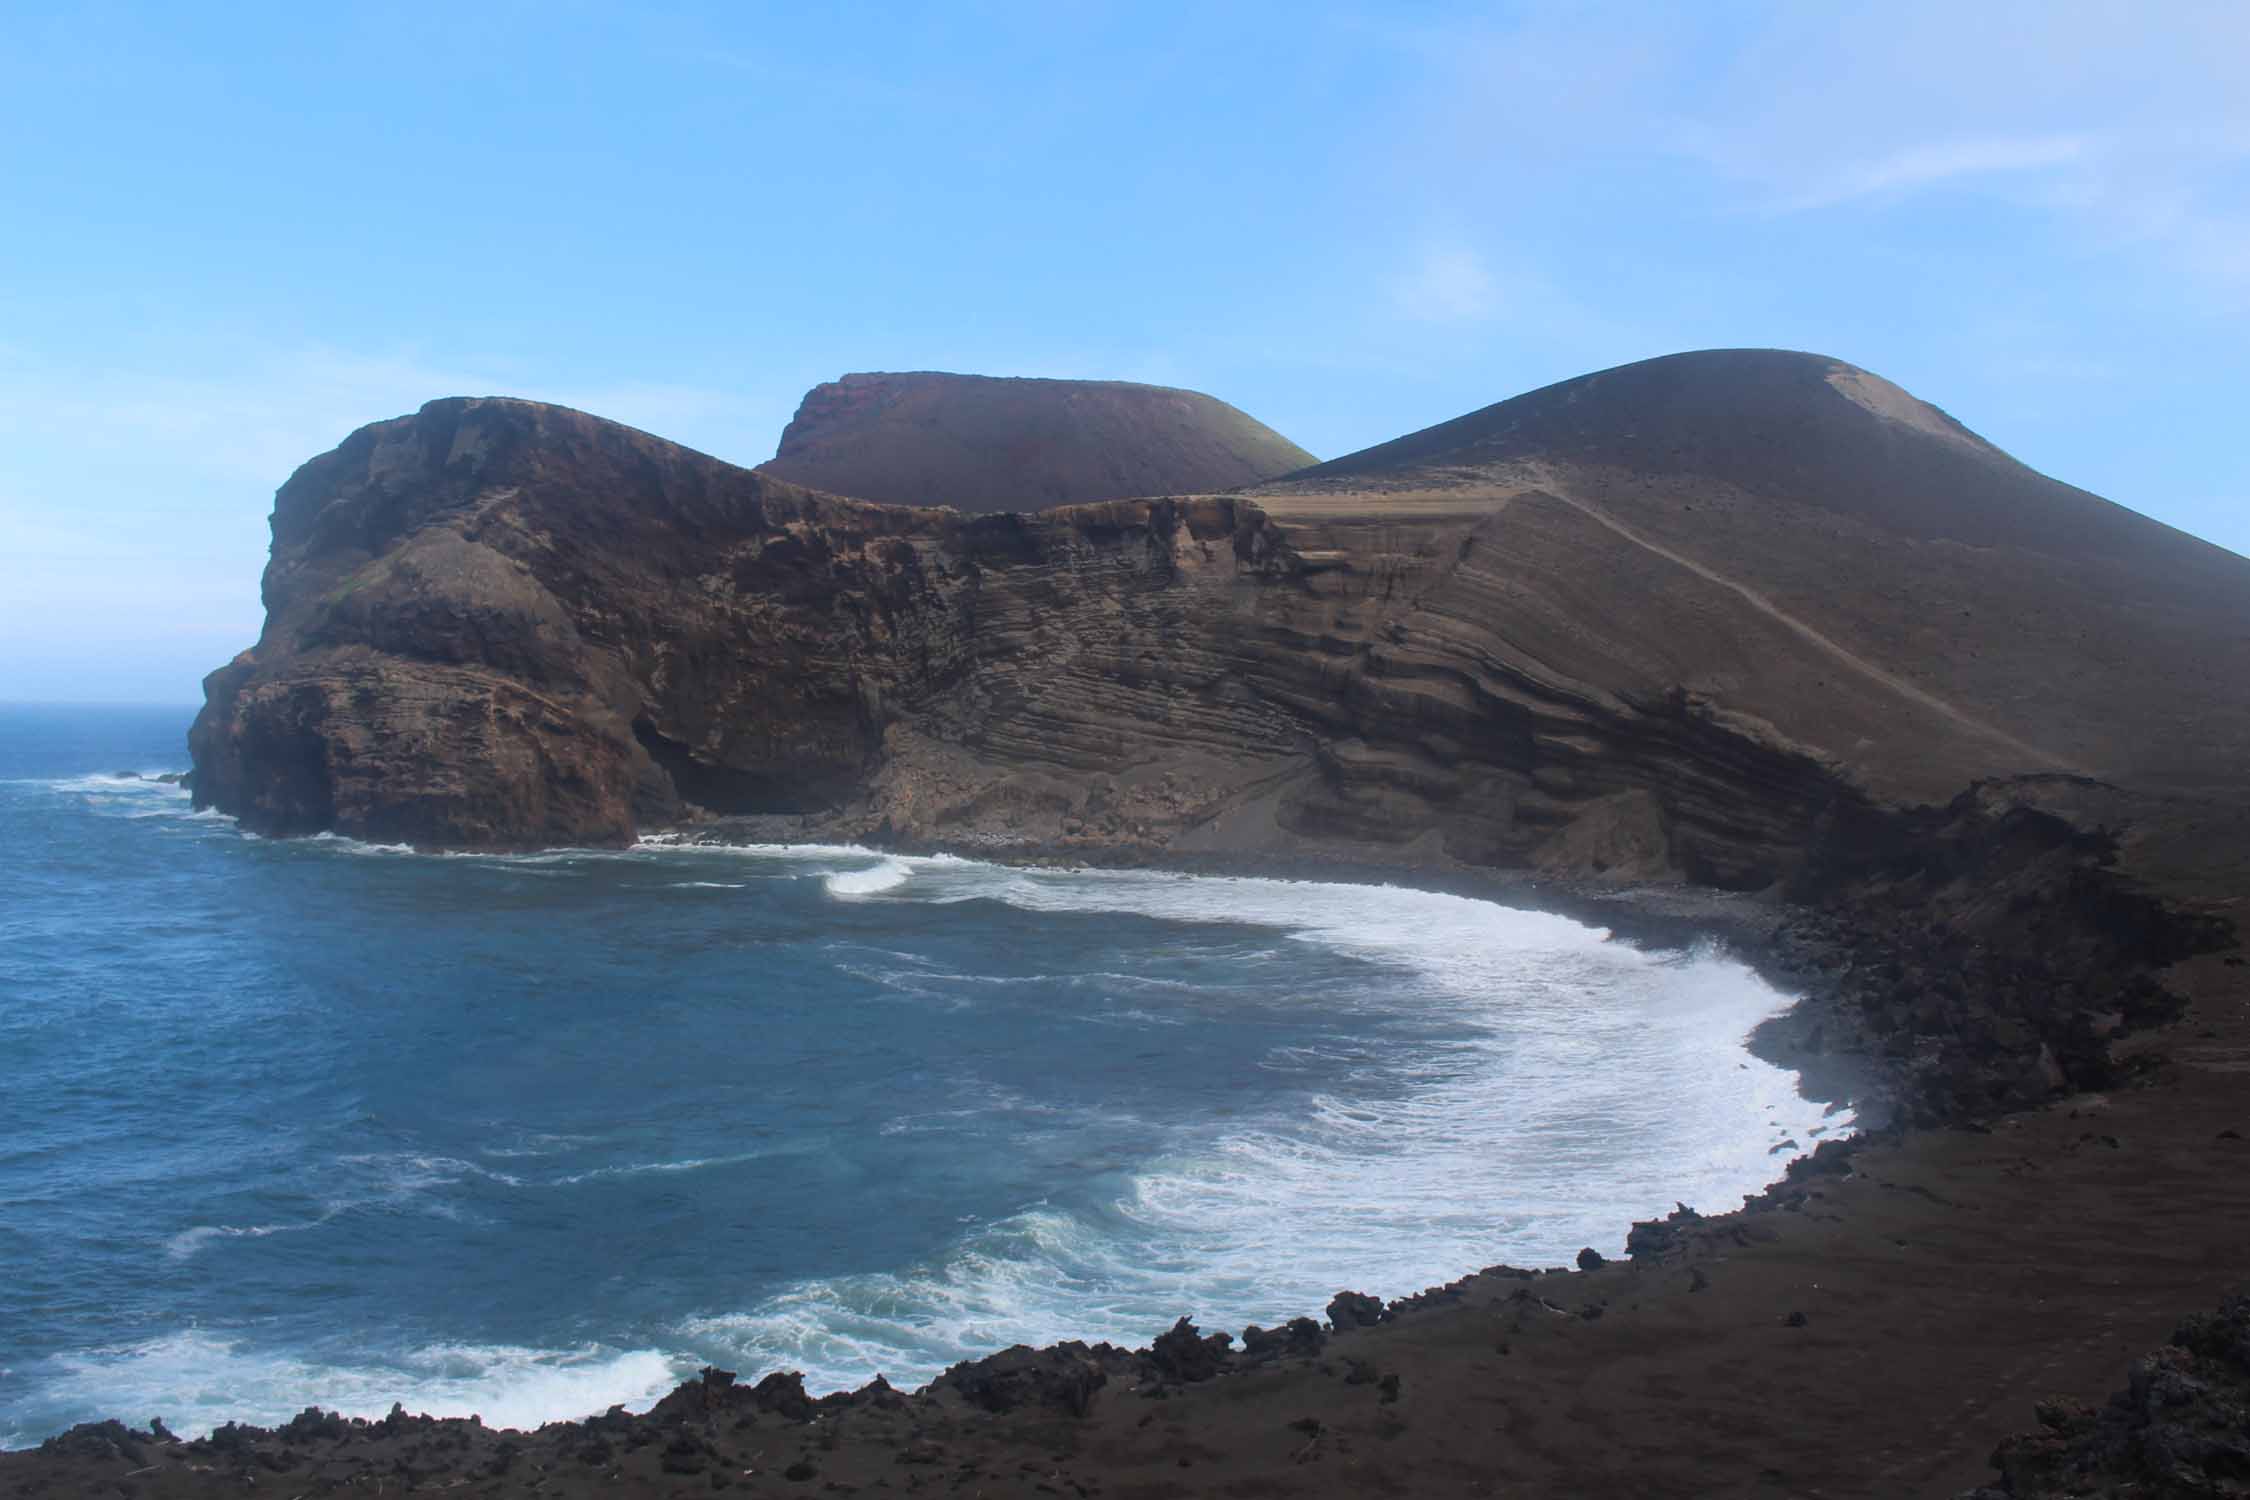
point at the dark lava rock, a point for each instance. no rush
(235, 1438)
(783, 1394)
(710, 1394)
(2180, 1427)
(1186, 1355)
(1828, 1159)
(314, 1425)
(1430, 1299)
(1656, 1238)
(96, 1441)
(1590, 1259)
(1297, 1338)
(684, 1454)
(713, 1394)
(1509, 1273)
(1355, 1310)
(1986, 952)
(1063, 1377)
(878, 1395)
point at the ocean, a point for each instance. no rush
(318, 1122)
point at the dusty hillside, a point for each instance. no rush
(1584, 630)
(979, 443)
(1802, 543)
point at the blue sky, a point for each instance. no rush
(234, 233)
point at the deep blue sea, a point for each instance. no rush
(320, 1122)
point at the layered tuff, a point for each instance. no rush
(1670, 620)
(496, 623)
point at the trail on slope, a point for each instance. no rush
(1807, 633)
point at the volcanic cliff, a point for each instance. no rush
(982, 443)
(1665, 619)
(1739, 616)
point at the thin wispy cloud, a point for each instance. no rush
(1941, 162)
(2130, 127)
(1447, 283)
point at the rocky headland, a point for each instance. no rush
(1747, 641)
(1668, 621)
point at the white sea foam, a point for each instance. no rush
(394, 1180)
(992, 1100)
(645, 1168)
(406, 1173)
(1385, 923)
(1590, 1083)
(1582, 1083)
(537, 1143)
(1268, 1221)
(188, 1242)
(343, 845)
(115, 784)
(668, 843)
(195, 1380)
(888, 875)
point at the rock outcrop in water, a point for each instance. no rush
(1664, 620)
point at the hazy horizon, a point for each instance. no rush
(245, 236)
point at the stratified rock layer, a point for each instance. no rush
(1666, 620)
(982, 443)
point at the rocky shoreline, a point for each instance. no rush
(1954, 961)
(1916, 957)
(1723, 622)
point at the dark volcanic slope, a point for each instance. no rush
(978, 443)
(1654, 622)
(1803, 542)
(1775, 423)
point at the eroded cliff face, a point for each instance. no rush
(500, 623)
(497, 623)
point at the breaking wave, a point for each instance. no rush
(195, 1381)
(1588, 1083)
(886, 876)
(869, 1112)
